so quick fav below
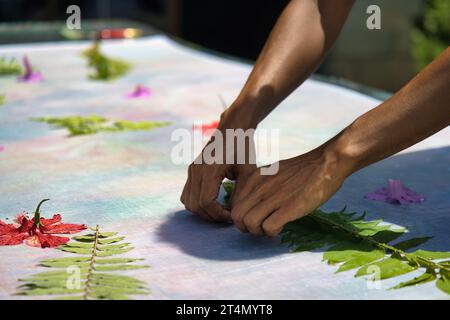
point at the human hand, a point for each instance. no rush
(205, 178)
(265, 203)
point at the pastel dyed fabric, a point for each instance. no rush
(127, 182)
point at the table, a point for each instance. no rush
(125, 181)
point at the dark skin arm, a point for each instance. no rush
(263, 204)
(297, 44)
(420, 109)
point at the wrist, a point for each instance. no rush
(237, 118)
(244, 113)
(342, 155)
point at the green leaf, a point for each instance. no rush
(9, 67)
(115, 277)
(386, 268)
(116, 260)
(65, 262)
(445, 263)
(107, 234)
(104, 68)
(443, 283)
(353, 255)
(113, 252)
(116, 267)
(96, 273)
(353, 242)
(76, 244)
(86, 238)
(48, 291)
(424, 278)
(387, 236)
(110, 240)
(113, 246)
(411, 243)
(432, 254)
(77, 125)
(71, 249)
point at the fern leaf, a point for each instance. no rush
(92, 278)
(104, 68)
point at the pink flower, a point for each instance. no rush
(30, 75)
(37, 232)
(207, 128)
(140, 91)
(395, 193)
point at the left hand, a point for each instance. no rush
(265, 203)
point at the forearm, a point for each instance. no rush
(297, 44)
(418, 110)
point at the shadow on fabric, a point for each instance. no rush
(427, 172)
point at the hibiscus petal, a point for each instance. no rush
(46, 240)
(11, 234)
(12, 239)
(37, 235)
(19, 218)
(49, 222)
(66, 228)
(7, 228)
(54, 225)
(33, 241)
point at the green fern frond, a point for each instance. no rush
(351, 242)
(87, 276)
(78, 125)
(104, 68)
(9, 67)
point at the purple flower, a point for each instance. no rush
(2, 148)
(30, 75)
(395, 193)
(139, 91)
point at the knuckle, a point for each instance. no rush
(235, 216)
(195, 208)
(250, 222)
(270, 229)
(204, 203)
(253, 226)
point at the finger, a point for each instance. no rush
(187, 190)
(241, 208)
(184, 195)
(254, 183)
(274, 223)
(242, 177)
(208, 199)
(247, 186)
(238, 186)
(254, 218)
(194, 196)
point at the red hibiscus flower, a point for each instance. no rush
(37, 232)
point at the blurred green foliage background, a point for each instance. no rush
(432, 33)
